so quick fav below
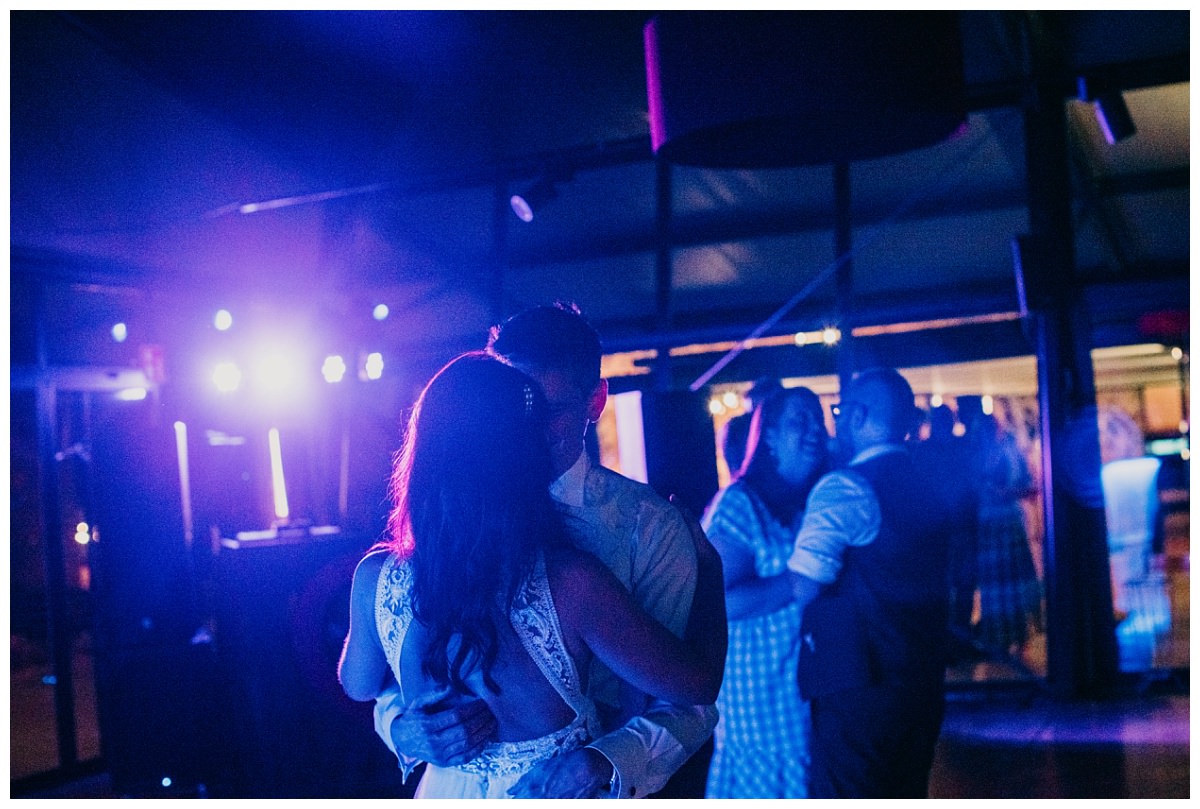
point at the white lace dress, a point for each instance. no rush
(501, 764)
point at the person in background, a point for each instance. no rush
(644, 540)
(871, 565)
(950, 454)
(482, 589)
(1010, 596)
(736, 432)
(761, 739)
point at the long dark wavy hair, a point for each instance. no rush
(760, 471)
(472, 508)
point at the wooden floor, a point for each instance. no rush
(1016, 747)
(1002, 746)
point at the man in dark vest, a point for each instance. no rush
(870, 564)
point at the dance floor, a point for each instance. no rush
(1012, 746)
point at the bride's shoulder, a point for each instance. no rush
(372, 563)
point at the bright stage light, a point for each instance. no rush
(227, 377)
(277, 369)
(831, 336)
(223, 320)
(381, 312)
(333, 369)
(119, 332)
(373, 368)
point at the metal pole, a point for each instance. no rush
(1081, 640)
(57, 626)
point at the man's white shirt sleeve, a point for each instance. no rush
(842, 511)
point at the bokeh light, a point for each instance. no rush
(333, 369)
(223, 320)
(373, 368)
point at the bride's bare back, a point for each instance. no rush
(526, 705)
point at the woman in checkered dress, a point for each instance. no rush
(761, 740)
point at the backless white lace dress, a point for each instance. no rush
(501, 764)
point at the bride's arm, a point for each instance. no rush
(640, 650)
(363, 665)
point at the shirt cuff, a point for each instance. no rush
(614, 785)
(387, 710)
(645, 743)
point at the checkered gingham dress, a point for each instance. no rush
(761, 739)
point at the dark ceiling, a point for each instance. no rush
(384, 146)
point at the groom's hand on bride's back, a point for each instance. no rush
(443, 729)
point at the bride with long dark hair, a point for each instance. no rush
(481, 588)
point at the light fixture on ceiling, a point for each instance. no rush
(534, 199)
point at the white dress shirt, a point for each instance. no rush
(841, 512)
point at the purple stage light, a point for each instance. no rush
(227, 377)
(373, 367)
(333, 369)
(277, 369)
